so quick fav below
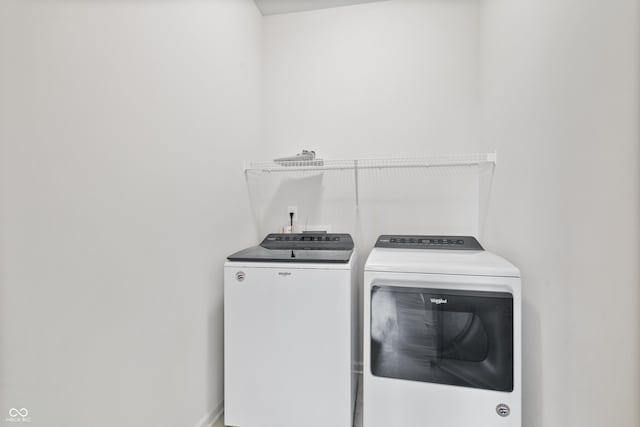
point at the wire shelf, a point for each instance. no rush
(366, 169)
(451, 162)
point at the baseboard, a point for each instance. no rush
(210, 419)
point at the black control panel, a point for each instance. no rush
(309, 241)
(467, 243)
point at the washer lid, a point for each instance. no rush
(466, 262)
(299, 248)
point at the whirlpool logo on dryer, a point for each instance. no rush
(439, 301)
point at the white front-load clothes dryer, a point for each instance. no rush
(442, 342)
(289, 332)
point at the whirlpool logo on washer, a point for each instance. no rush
(284, 273)
(240, 276)
(438, 300)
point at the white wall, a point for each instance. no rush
(123, 127)
(553, 87)
(374, 79)
(561, 106)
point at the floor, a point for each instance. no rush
(357, 422)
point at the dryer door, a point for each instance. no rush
(456, 337)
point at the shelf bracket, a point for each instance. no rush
(355, 177)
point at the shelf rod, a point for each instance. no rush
(338, 168)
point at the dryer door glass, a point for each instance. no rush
(462, 338)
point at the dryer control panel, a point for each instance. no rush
(468, 243)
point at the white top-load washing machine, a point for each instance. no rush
(289, 337)
(442, 342)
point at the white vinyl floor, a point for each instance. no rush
(357, 422)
